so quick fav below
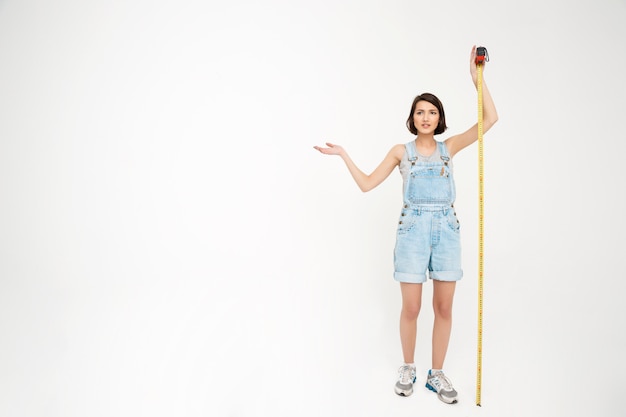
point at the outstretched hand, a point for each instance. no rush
(330, 150)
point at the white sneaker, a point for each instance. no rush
(440, 384)
(404, 386)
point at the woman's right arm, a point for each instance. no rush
(364, 181)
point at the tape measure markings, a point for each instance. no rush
(481, 55)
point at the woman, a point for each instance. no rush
(428, 240)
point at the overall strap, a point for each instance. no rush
(411, 151)
(443, 151)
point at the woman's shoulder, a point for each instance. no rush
(398, 151)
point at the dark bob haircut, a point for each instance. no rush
(432, 99)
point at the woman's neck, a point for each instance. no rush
(425, 144)
(425, 138)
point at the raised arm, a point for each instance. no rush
(364, 181)
(490, 115)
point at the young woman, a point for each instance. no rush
(428, 240)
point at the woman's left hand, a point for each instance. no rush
(473, 70)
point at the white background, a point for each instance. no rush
(171, 244)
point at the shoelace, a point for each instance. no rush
(443, 381)
(406, 374)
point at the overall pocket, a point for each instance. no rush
(453, 221)
(430, 184)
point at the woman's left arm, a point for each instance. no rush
(490, 115)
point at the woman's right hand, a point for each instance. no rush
(331, 149)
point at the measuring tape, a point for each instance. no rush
(481, 57)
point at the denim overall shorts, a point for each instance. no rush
(428, 240)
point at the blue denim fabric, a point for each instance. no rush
(428, 241)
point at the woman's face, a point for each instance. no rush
(425, 117)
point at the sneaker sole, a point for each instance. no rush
(443, 399)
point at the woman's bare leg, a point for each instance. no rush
(443, 294)
(411, 304)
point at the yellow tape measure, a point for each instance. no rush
(481, 56)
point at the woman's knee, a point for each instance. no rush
(443, 310)
(410, 311)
